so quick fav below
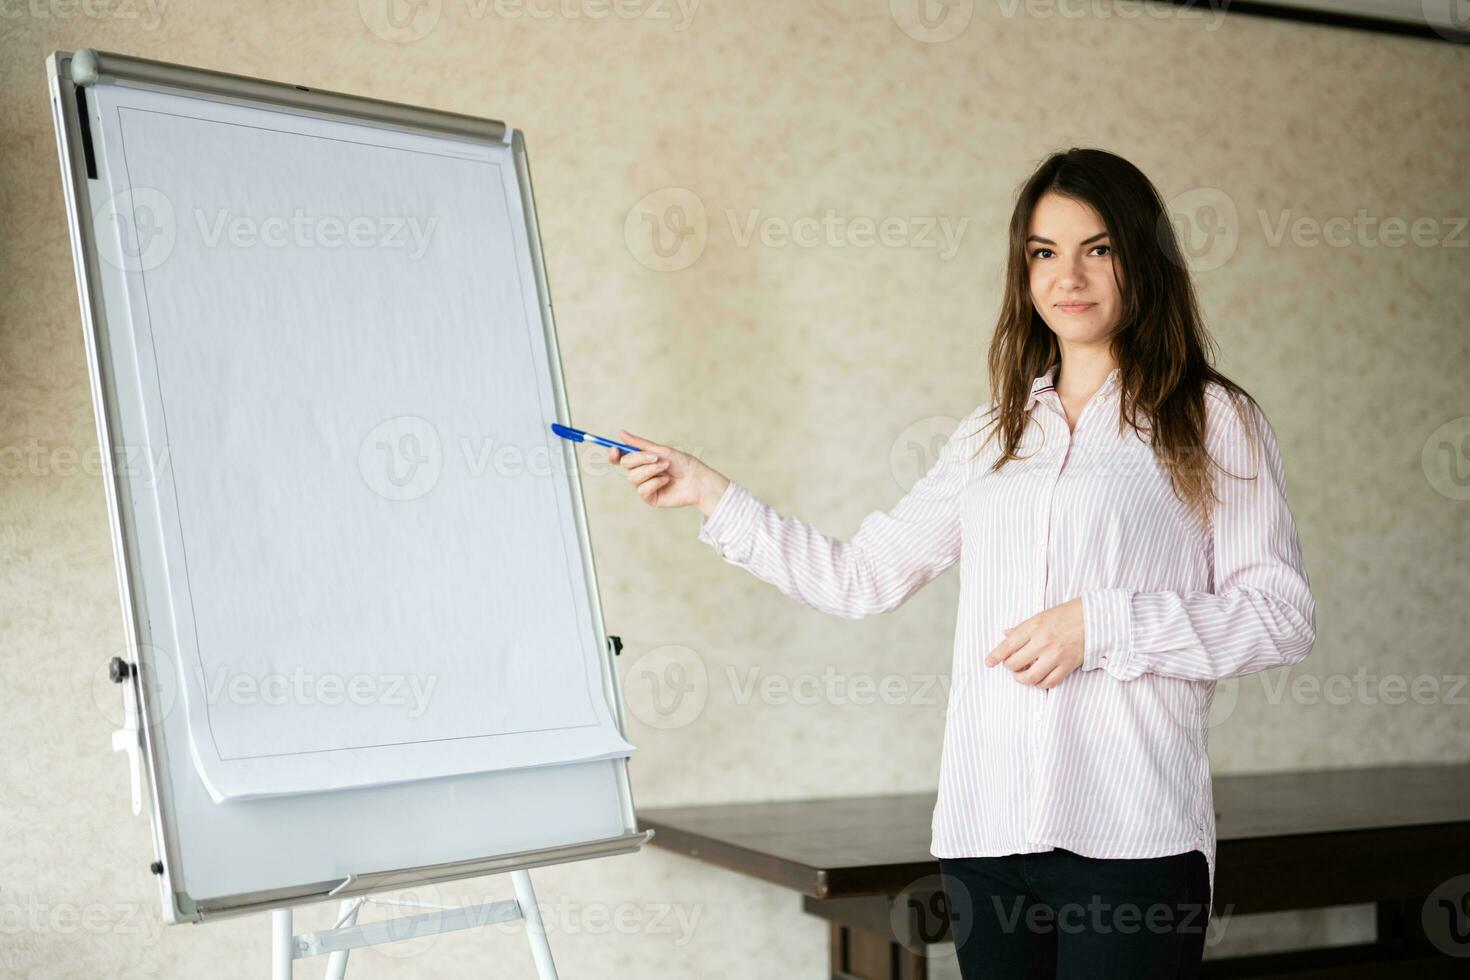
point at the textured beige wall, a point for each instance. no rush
(806, 372)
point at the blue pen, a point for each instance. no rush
(577, 435)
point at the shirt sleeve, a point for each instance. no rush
(1260, 613)
(891, 556)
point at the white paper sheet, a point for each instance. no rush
(373, 556)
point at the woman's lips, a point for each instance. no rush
(1075, 307)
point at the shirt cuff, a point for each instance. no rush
(1107, 625)
(732, 520)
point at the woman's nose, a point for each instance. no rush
(1072, 277)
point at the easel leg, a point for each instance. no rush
(535, 929)
(281, 939)
(346, 916)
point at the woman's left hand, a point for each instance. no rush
(1044, 649)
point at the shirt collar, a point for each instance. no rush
(1047, 382)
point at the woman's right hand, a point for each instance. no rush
(668, 477)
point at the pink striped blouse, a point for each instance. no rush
(1113, 761)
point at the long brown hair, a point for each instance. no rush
(1163, 350)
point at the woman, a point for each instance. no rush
(1120, 518)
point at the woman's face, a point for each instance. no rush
(1074, 277)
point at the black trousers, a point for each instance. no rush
(1059, 914)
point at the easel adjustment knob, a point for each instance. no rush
(119, 670)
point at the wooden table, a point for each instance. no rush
(1286, 840)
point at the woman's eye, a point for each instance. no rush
(1036, 253)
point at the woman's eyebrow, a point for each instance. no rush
(1048, 241)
